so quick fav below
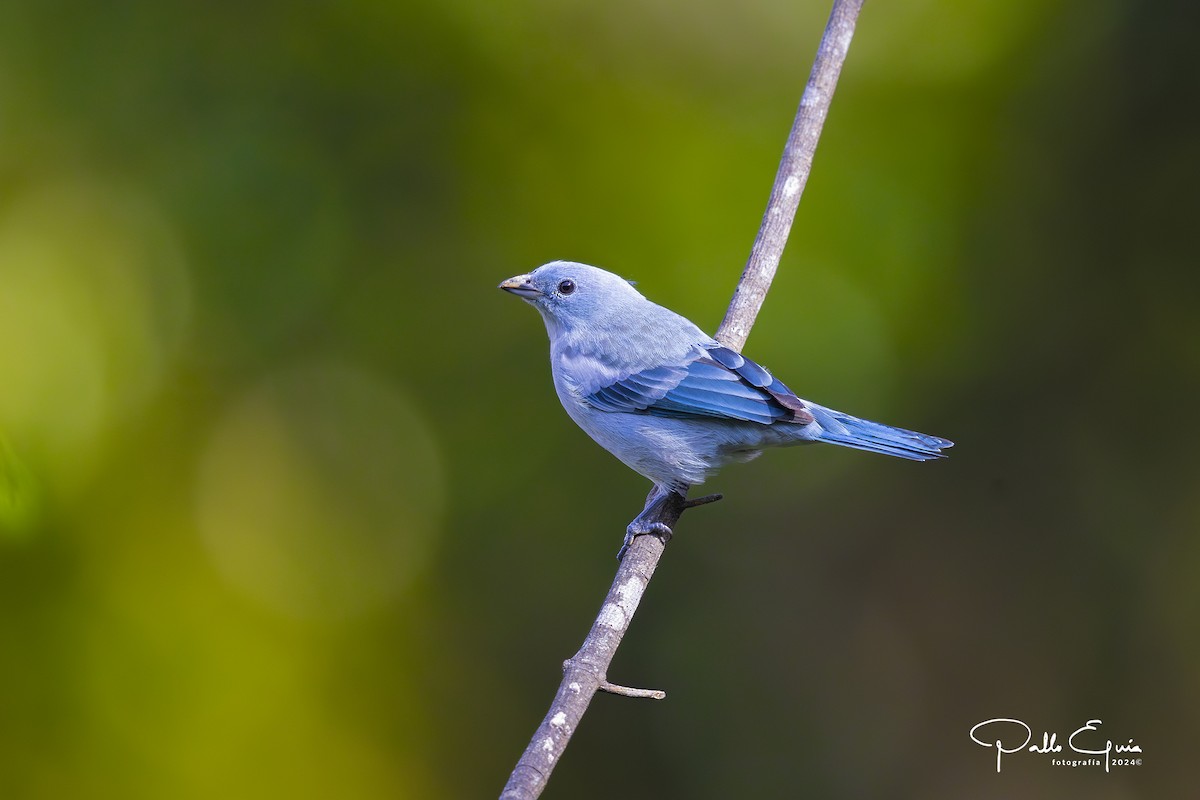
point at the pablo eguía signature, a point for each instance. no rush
(1002, 733)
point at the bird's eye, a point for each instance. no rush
(566, 287)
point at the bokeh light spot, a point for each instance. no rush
(94, 299)
(19, 495)
(320, 491)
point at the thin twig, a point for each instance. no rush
(702, 501)
(629, 691)
(585, 673)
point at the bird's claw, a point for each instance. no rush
(639, 528)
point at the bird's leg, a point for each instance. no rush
(645, 524)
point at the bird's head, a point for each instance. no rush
(569, 294)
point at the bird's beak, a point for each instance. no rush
(521, 287)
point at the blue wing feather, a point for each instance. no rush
(731, 359)
(718, 383)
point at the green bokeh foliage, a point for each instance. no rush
(288, 507)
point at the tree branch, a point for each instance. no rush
(792, 176)
(586, 672)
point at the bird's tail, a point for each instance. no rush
(862, 434)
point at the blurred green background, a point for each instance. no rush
(288, 507)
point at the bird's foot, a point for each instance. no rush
(661, 502)
(640, 527)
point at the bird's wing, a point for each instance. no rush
(715, 382)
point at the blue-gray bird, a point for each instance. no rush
(670, 401)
